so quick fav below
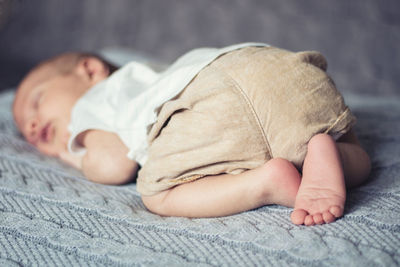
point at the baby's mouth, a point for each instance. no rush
(47, 132)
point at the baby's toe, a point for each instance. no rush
(298, 216)
(309, 220)
(328, 217)
(318, 219)
(336, 211)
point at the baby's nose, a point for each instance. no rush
(32, 130)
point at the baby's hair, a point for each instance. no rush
(65, 63)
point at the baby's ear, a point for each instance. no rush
(93, 69)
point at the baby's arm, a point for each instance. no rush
(105, 160)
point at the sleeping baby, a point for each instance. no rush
(220, 131)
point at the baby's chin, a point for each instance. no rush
(48, 152)
(52, 150)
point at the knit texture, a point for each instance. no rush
(50, 215)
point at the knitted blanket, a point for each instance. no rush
(50, 215)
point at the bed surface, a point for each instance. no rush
(50, 215)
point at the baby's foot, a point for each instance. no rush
(319, 201)
(322, 191)
(282, 181)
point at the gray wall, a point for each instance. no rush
(360, 38)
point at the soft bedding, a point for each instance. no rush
(50, 215)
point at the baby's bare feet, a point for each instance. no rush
(322, 193)
(316, 204)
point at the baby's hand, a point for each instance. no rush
(71, 159)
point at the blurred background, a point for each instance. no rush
(360, 38)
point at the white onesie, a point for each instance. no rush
(126, 103)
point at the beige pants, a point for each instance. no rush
(246, 107)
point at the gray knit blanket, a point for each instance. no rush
(51, 216)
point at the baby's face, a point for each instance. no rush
(42, 109)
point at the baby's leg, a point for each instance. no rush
(275, 182)
(356, 162)
(328, 166)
